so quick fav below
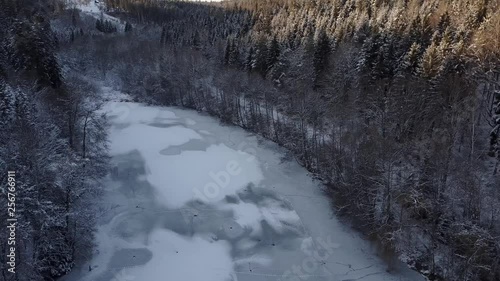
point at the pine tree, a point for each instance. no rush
(7, 105)
(495, 132)
(431, 62)
(411, 59)
(249, 60)
(162, 37)
(260, 64)
(234, 58)
(196, 40)
(477, 14)
(322, 51)
(99, 25)
(273, 52)
(384, 65)
(74, 14)
(32, 51)
(227, 52)
(128, 27)
(444, 22)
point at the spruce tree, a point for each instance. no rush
(163, 35)
(227, 52)
(322, 51)
(249, 60)
(273, 52)
(234, 55)
(99, 25)
(128, 27)
(260, 64)
(196, 40)
(495, 132)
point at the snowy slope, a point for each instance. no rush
(95, 9)
(189, 199)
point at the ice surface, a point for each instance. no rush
(201, 175)
(149, 140)
(189, 199)
(251, 216)
(174, 254)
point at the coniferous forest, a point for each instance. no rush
(394, 105)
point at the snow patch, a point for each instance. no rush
(185, 259)
(201, 175)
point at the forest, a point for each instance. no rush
(54, 141)
(394, 105)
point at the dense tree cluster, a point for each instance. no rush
(495, 138)
(105, 26)
(53, 140)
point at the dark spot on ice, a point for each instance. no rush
(191, 145)
(232, 199)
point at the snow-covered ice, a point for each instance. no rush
(190, 199)
(173, 254)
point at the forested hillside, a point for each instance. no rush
(394, 105)
(53, 140)
(391, 103)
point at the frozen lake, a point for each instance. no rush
(189, 199)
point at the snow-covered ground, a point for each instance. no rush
(190, 199)
(94, 9)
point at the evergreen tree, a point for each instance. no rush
(196, 40)
(431, 61)
(234, 55)
(322, 51)
(227, 52)
(261, 54)
(495, 132)
(32, 48)
(444, 22)
(273, 52)
(163, 36)
(411, 59)
(99, 25)
(7, 105)
(249, 60)
(128, 27)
